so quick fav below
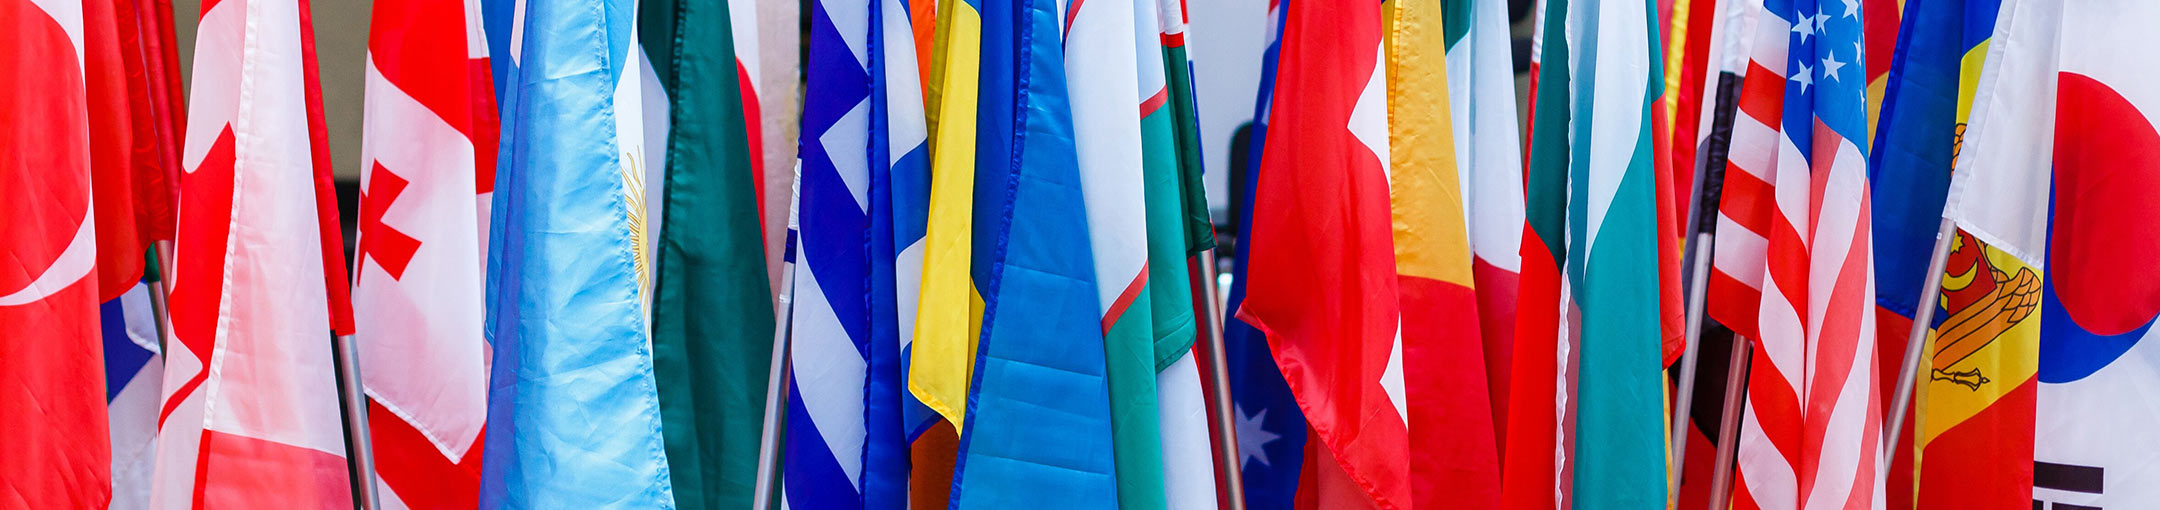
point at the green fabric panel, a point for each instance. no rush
(1169, 273)
(1199, 229)
(1135, 415)
(712, 312)
(1547, 180)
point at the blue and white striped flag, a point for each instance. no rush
(133, 371)
(861, 198)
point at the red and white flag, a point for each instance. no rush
(250, 415)
(52, 380)
(426, 164)
(1322, 278)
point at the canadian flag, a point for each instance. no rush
(249, 417)
(426, 164)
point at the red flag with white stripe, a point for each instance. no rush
(250, 415)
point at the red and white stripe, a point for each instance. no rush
(1810, 433)
(250, 414)
(1745, 210)
(426, 172)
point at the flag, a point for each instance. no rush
(1321, 270)
(1615, 215)
(1532, 456)
(574, 415)
(1170, 141)
(845, 446)
(1102, 77)
(420, 279)
(1455, 461)
(2094, 444)
(940, 353)
(133, 370)
(1271, 431)
(1811, 436)
(1488, 157)
(134, 200)
(711, 312)
(50, 367)
(1925, 104)
(250, 415)
(1039, 417)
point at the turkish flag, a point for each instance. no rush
(52, 380)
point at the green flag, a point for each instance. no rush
(712, 314)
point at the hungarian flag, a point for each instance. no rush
(51, 368)
(250, 416)
(1532, 454)
(1454, 461)
(1489, 159)
(427, 157)
(1322, 279)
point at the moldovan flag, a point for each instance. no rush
(250, 417)
(1322, 280)
(2095, 445)
(51, 368)
(1039, 420)
(1455, 461)
(420, 275)
(1488, 160)
(572, 410)
(712, 314)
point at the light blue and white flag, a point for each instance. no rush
(573, 415)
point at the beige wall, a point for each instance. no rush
(340, 52)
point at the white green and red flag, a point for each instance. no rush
(250, 416)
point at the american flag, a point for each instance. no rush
(1793, 266)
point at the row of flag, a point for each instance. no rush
(992, 292)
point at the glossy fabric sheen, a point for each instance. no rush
(573, 417)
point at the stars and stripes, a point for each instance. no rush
(1796, 193)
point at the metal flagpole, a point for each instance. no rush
(352, 401)
(1736, 375)
(1232, 485)
(1684, 395)
(1916, 341)
(776, 381)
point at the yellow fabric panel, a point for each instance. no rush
(946, 317)
(1985, 349)
(1431, 238)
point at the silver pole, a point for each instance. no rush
(359, 454)
(1736, 374)
(1218, 372)
(776, 382)
(1684, 394)
(1916, 341)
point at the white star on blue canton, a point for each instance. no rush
(1253, 437)
(1831, 66)
(1859, 51)
(1806, 27)
(1820, 18)
(1852, 8)
(1806, 77)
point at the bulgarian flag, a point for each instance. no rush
(1530, 454)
